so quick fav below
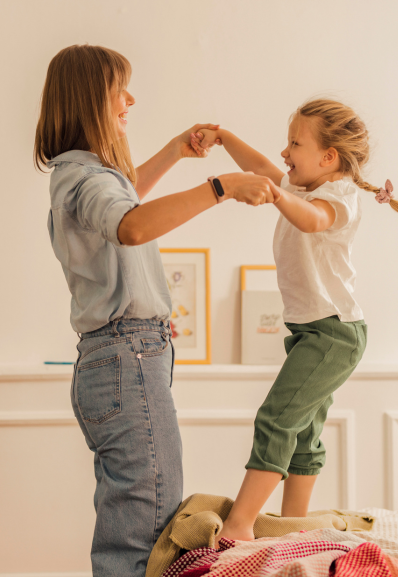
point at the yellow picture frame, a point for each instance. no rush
(245, 268)
(207, 302)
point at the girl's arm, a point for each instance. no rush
(149, 173)
(244, 155)
(308, 216)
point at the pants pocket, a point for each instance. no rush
(98, 389)
(150, 343)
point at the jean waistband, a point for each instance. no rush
(122, 325)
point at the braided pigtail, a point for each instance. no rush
(382, 195)
(337, 126)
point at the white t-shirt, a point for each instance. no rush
(315, 273)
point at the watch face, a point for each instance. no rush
(218, 187)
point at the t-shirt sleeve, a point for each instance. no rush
(343, 209)
(102, 202)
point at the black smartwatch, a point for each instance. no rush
(217, 187)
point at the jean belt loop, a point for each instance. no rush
(166, 325)
(114, 327)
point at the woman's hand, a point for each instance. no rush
(184, 145)
(250, 188)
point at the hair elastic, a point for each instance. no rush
(385, 194)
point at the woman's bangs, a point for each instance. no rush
(121, 71)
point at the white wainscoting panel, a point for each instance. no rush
(392, 458)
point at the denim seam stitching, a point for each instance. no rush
(102, 345)
(152, 442)
(139, 328)
(157, 354)
(99, 363)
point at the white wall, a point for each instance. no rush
(246, 65)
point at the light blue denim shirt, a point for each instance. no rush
(107, 280)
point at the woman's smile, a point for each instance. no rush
(122, 117)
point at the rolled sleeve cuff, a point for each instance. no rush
(114, 218)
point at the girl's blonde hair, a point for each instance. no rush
(337, 126)
(76, 107)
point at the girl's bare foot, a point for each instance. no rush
(235, 532)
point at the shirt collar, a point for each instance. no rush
(77, 156)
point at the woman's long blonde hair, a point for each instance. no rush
(339, 127)
(76, 107)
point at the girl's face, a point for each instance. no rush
(121, 100)
(308, 163)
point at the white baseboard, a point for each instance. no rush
(46, 575)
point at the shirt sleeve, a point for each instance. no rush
(343, 209)
(102, 202)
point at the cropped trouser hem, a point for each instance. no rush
(294, 471)
(266, 467)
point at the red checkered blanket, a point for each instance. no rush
(320, 553)
(367, 560)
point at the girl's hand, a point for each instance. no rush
(205, 139)
(184, 145)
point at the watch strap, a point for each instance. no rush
(217, 187)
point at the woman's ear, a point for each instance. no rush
(329, 157)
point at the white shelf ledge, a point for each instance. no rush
(365, 371)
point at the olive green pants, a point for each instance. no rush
(321, 355)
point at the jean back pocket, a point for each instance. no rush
(98, 389)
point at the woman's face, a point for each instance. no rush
(121, 100)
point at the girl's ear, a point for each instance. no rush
(329, 157)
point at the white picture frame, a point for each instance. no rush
(263, 329)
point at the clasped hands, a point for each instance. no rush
(245, 187)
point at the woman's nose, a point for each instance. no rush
(130, 100)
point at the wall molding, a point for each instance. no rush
(344, 419)
(391, 422)
(42, 373)
(46, 575)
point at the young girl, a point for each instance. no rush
(320, 211)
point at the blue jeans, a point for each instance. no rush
(121, 397)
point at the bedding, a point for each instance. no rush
(199, 518)
(318, 553)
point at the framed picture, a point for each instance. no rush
(188, 277)
(263, 329)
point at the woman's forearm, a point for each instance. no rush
(157, 217)
(248, 158)
(154, 219)
(149, 173)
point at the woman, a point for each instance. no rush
(105, 241)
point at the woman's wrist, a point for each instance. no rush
(227, 188)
